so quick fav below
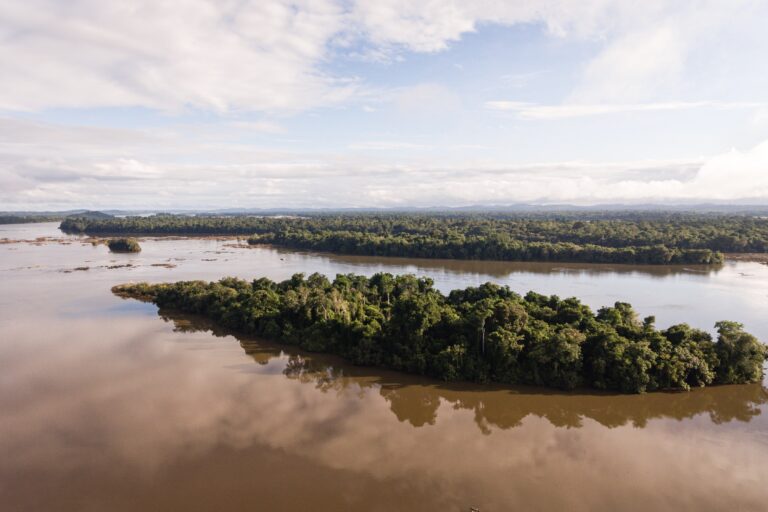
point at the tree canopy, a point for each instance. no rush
(483, 334)
(28, 219)
(638, 238)
(124, 245)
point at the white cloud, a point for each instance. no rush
(264, 55)
(431, 25)
(24, 132)
(644, 50)
(734, 175)
(258, 126)
(425, 99)
(386, 145)
(635, 66)
(541, 112)
(673, 49)
(270, 56)
(426, 26)
(153, 173)
(761, 117)
(257, 55)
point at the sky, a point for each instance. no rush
(203, 104)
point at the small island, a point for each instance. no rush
(124, 245)
(481, 334)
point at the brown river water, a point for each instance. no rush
(107, 405)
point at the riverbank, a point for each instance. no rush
(754, 257)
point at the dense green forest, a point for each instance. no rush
(482, 334)
(124, 245)
(478, 247)
(627, 238)
(28, 219)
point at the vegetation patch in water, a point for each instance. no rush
(124, 245)
(483, 334)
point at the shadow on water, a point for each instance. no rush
(416, 400)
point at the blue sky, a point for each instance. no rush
(325, 103)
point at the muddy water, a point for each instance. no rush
(107, 405)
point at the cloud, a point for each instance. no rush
(639, 52)
(642, 49)
(425, 99)
(420, 26)
(157, 173)
(432, 25)
(734, 175)
(386, 145)
(258, 126)
(240, 69)
(220, 56)
(542, 112)
(635, 66)
(27, 132)
(270, 55)
(673, 49)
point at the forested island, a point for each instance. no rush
(477, 247)
(640, 238)
(482, 334)
(124, 245)
(28, 219)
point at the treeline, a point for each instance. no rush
(482, 334)
(716, 233)
(168, 224)
(667, 238)
(28, 219)
(492, 247)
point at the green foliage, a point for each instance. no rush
(740, 355)
(28, 219)
(627, 238)
(124, 245)
(483, 334)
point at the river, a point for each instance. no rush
(107, 405)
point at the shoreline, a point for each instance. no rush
(68, 238)
(753, 257)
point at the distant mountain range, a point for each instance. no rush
(91, 214)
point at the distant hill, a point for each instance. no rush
(32, 217)
(90, 215)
